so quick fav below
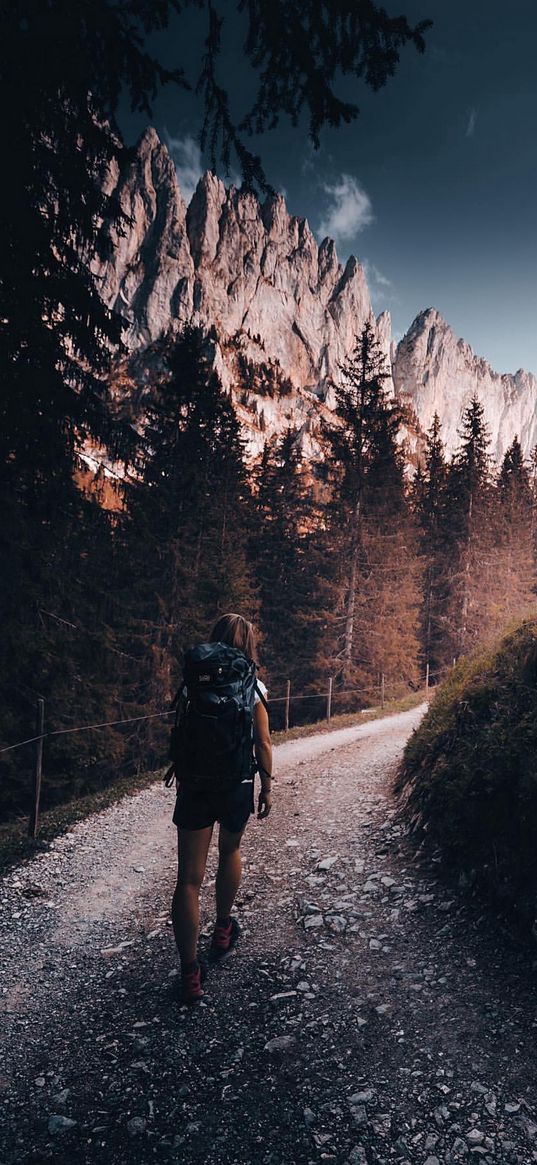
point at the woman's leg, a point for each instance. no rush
(193, 849)
(229, 871)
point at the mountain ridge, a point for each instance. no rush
(277, 301)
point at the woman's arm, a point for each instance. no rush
(263, 753)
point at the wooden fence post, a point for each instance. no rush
(329, 700)
(38, 771)
(287, 704)
(382, 690)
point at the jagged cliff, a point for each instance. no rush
(440, 372)
(274, 300)
(281, 310)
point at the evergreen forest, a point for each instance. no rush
(355, 571)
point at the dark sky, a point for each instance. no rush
(433, 187)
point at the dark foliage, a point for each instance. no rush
(468, 781)
(287, 565)
(63, 68)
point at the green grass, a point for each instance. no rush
(468, 780)
(16, 846)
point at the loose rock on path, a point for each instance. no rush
(369, 1016)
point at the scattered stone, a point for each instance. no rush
(107, 951)
(357, 1156)
(136, 1126)
(61, 1097)
(336, 923)
(58, 1124)
(322, 1139)
(475, 1137)
(363, 1097)
(280, 1044)
(326, 863)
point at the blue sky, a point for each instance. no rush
(433, 187)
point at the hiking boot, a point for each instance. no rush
(224, 941)
(191, 983)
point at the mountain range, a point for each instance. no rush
(280, 311)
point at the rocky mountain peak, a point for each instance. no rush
(283, 312)
(229, 261)
(441, 373)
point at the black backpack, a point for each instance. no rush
(211, 743)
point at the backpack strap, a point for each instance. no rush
(169, 775)
(261, 697)
(177, 697)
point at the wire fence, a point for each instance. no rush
(328, 695)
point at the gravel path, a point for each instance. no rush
(369, 1016)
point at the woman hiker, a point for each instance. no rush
(196, 812)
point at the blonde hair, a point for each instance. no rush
(237, 632)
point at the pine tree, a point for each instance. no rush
(470, 503)
(285, 561)
(186, 537)
(429, 504)
(370, 528)
(512, 589)
(62, 70)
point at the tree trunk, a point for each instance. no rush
(466, 587)
(351, 594)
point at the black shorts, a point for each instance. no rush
(197, 809)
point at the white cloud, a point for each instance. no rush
(309, 160)
(470, 125)
(348, 211)
(186, 154)
(381, 288)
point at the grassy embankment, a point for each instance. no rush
(15, 845)
(468, 780)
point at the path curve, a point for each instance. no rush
(370, 1016)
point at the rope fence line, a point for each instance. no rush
(327, 694)
(158, 715)
(86, 728)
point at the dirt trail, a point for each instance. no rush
(370, 1016)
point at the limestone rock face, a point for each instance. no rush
(440, 373)
(150, 276)
(281, 311)
(250, 270)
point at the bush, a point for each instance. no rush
(468, 779)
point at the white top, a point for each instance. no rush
(262, 688)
